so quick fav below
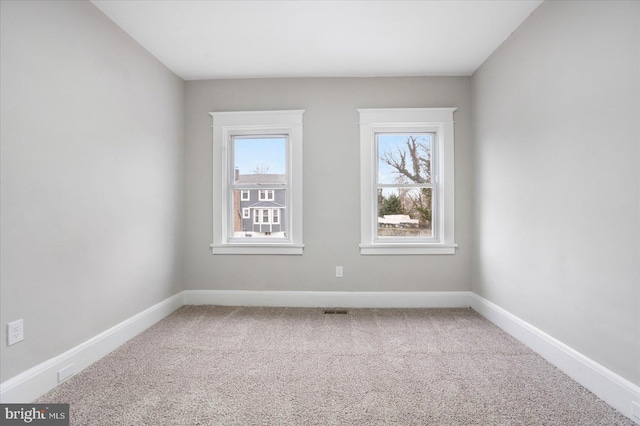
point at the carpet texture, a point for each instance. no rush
(216, 365)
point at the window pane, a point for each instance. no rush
(259, 218)
(404, 158)
(259, 160)
(405, 212)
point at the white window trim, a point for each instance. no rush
(228, 124)
(246, 213)
(440, 120)
(242, 195)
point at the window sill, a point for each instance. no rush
(281, 249)
(407, 249)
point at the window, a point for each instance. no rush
(257, 182)
(407, 187)
(266, 194)
(268, 217)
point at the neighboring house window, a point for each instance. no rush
(407, 187)
(266, 194)
(258, 182)
(267, 217)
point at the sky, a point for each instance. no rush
(252, 153)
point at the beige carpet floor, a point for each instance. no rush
(214, 365)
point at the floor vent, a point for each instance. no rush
(336, 311)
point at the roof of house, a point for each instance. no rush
(262, 178)
(266, 204)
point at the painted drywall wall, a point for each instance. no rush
(556, 182)
(91, 169)
(331, 186)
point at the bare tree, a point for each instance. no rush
(419, 168)
(412, 164)
(262, 169)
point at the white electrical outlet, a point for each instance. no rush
(15, 332)
(339, 272)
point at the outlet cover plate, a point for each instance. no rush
(15, 332)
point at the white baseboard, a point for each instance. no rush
(607, 385)
(35, 382)
(331, 299)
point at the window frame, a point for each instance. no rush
(408, 120)
(226, 126)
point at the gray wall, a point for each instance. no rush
(92, 178)
(331, 186)
(556, 210)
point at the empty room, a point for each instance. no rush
(319, 212)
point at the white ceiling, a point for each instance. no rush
(247, 39)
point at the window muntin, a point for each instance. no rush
(407, 191)
(245, 195)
